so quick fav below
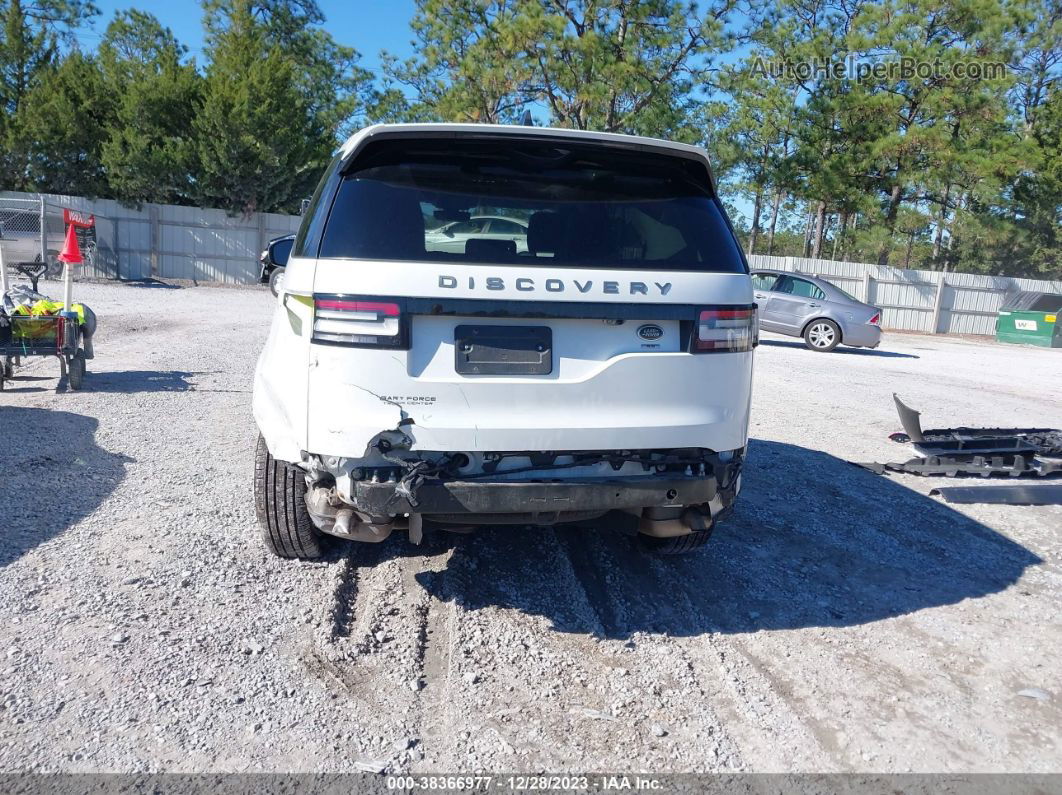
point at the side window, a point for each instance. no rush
(763, 281)
(281, 251)
(500, 227)
(308, 239)
(799, 287)
(470, 227)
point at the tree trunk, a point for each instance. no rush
(806, 251)
(774, 221)
(907, 254)
(820, 230)
(757, 208)
(890, 224)
(842, 234)
(942, 220)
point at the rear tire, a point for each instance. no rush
(822, 335)
(280, 503)
(76, 370)
(676, 545)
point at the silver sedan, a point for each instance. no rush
(822, 313)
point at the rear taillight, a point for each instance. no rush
(726, 330)
(358, 322)
(876, 320)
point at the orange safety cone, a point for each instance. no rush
(71, 253)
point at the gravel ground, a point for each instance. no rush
(841, 621)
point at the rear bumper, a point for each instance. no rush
(862, 336)
(479, 497)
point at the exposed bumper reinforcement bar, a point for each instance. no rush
(534, 497)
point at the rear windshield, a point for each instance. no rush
(529, 204)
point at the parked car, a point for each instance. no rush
(454, 236)
(820, 312)
(20, 238)
(273, 260)
(601, 376)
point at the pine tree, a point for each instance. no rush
(61, 127)
(259, 143)
(327, 74)
(150, 152)
(32, 35)
(615, 66)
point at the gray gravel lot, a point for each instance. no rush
(840, 621)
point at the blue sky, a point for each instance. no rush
(365, 25)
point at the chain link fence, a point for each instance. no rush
(151, 241)
(33, 233)
(24, 233)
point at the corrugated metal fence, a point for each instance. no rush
(917, 300)
(169, 242)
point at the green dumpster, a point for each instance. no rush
(1031, 318)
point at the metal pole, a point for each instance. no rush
(44, 235)
(153, 219)
(67, 286)
(937, 302)
(3, 275)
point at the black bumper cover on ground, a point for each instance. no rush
(537, 497)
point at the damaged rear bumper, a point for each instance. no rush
(528, 498)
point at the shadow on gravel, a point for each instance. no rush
(843, 350)
(814, 542)
(52, 474)
(130, 381)
(153, 284)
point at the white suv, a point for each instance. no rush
(599, 373)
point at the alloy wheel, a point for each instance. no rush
(821, 335)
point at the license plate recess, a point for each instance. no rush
(503, 350)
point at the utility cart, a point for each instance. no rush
(54, 334)
(48, 335)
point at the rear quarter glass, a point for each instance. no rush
(581, 206)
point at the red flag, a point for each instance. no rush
(71, 253)
(78, 219)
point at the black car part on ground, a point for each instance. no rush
(974, 451)
(1010, 494)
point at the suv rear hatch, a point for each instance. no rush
(621, 318)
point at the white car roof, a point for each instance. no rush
(363, 136)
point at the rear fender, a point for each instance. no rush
(281, 376)
(839, 324)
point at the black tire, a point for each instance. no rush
(280, 503)
(677, 545)
(274, 280)
(822, 335)
(76, 370)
